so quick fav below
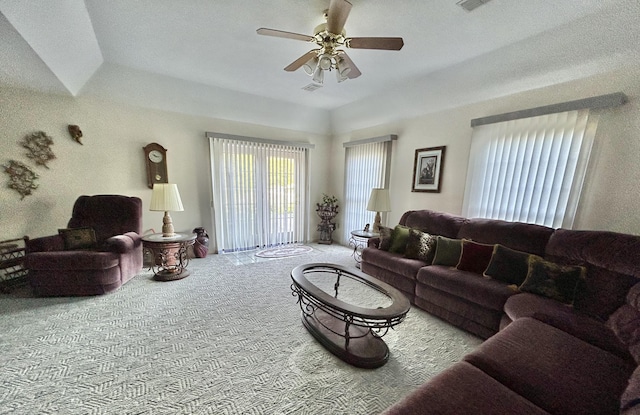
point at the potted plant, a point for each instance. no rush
(327, 210)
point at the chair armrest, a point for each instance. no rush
(124, 243)
(45, 244)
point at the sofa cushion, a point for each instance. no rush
(472, 287)
(612, 261)
(474, 257)
(420, 245)
(463, 389)
(508, 265)
(554, 370)
(435, 223)
(385, 238)
(524, 237)
(630, 400)
(399, 238)
(396, 263)
(78, 238)
(71, 260)
(551, 280)
(448, 251)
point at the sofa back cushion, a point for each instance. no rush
(107, 215)
(515, 235)
(612, 262)
(435, 223)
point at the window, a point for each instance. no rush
(259, 189)
(530, 169)
(366, 167)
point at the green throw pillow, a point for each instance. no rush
(420, 245)
(447, 251)
(399, 238)
(551, 280)
(508, 265)
(78, 238)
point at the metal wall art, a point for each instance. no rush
(39, 146)
(21, 178)
(75, 132)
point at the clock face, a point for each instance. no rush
(155, 156)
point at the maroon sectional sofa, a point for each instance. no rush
(541, 356)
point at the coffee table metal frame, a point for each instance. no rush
(352, 333)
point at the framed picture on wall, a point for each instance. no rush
(427, 169)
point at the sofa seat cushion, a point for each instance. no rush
(463, 389)
(566, 319)
(397, 263)
(71, 260)
(556, 371)
(472, 287)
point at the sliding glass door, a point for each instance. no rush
(259, 192)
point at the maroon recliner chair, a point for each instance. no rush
(100, 250)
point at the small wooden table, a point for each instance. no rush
(351, 327)
(169, 254)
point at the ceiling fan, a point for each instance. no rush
(331, 37)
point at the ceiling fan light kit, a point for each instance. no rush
(331, 37)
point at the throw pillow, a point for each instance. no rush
(551, 280)
(420, 245)
(475, 257)
(399, 238)
(78, 238)
(385, 238)
(508, 265)
(447, 251)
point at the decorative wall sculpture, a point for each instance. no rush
(21, 178)
(39, 146)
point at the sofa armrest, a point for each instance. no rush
(45, 244)
(373, 242)
(123, 243)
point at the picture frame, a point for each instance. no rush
(427, 169)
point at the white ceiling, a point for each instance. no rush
(194, 54)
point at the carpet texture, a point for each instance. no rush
(225, 340)
(284, 251)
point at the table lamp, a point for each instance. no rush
(166, 197)
(378, 202)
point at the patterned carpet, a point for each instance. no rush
(226, 340)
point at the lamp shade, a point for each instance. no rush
(166, 197)
(379, 201)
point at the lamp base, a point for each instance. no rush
(376, 223)
(167, 226)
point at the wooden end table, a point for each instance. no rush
(169, 254)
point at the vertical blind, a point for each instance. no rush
(259, 193)
(531, 169)
(366, 167)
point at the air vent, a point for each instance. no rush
(311, 87)
(469, 5)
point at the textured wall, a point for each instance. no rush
(611, 192)
(112, 161)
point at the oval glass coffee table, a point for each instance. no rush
(347, 311)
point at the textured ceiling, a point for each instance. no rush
(201, 48)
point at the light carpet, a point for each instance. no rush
(284, 251)
(225, 340)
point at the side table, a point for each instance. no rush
(169, 254)
(358, 241)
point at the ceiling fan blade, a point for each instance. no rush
(386, 43)
(337, 15)
(301, 60)
(287, 35)
(354, 72)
